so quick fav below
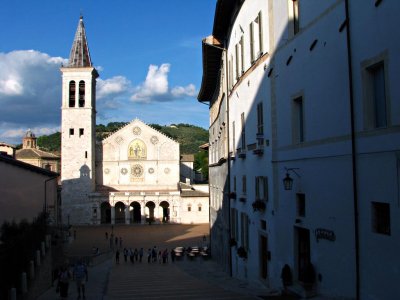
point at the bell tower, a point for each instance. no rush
(78, 122)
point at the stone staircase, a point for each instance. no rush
(161, 281)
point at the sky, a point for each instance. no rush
(148, 55)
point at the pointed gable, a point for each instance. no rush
(80, 56)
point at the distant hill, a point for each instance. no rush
(189, 137)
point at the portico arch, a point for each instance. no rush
(150, 206)
(105, 213)
(165, 211)
(135, 212)
(119, 213)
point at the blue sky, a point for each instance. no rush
(148, 54)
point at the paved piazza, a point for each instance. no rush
(184, 279)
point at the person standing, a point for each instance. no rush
(63, 281)
(136, 254)
(80, 275)
(140, 254)
(125, 254)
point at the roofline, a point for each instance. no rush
(28, 167)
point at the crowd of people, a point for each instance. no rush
(153, 255)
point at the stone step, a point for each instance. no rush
(161, 281)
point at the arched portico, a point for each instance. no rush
(105, 213)
(135, 212)
(164, 207)
(149, 210)
(119, 213)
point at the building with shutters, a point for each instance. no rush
(304, 144)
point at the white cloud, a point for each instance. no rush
(15, 135)
(30, 93)
(180, 91)
(156, 87)
(113, 86)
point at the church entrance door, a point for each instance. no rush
(136, 216)
(119, 213)
(165, 211)
(105, 213)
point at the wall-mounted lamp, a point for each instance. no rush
(288, 181)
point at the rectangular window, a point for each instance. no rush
(81, 131)
(295, 20)
(189, 208)
(244, 185)
(381, 218)
(234, 224)
(237, 61)
(260, 119)
(85, 154)
(242, 53)
(243, 133)
(71, 131)
(244, 230)
(233, 138)
(234, 183)
(379, 106)
(261, 188)
(260, 33)
(199, 207)
(301, 204)
(252, 42)
(298, 120)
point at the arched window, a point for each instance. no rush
(81, 93)
(72, 94)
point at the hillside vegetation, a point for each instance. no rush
(189, 137)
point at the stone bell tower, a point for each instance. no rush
(78, 121)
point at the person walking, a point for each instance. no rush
(172, 255)
(117, 256)
(80, 275)
(149, 255)
(131, 255)
(63, 281)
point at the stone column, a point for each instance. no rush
(13, 294)
(31, 270)
(127, 215)
(112, 214)
(156, 211)
(42, 249)
(142, 213)
(38, 258)
(24, 283)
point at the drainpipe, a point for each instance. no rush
(353, 153)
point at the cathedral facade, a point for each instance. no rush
(132, 176)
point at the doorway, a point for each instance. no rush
(105, 213)
(263, 257)
(303, 252)
(136, 215)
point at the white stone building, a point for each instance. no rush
(132, 176)
(305, 91)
